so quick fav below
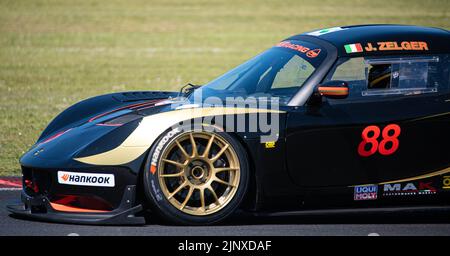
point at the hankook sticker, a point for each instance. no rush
(86, 179)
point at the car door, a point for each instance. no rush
(393, 125)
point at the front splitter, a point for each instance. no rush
(125, 214)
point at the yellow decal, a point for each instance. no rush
(446, 182)
(270, 144)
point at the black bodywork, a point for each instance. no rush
(315, 162)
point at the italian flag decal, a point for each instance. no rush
(352, 48)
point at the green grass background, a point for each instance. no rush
(55, 53)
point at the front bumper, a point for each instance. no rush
(39, 207)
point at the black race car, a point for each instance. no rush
(352, 118)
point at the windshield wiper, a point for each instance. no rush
(187, 89)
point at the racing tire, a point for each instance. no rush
(195, 177)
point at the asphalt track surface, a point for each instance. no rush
(420, 224)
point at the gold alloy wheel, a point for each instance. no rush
(199, 173)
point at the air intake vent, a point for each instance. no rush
(143, 95)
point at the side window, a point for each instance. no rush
(352, 71)
(293, 73)
(402, 76)
(393, 75)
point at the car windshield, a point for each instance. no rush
(278, 72)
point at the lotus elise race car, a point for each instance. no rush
(352, 118)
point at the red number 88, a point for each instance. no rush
(372, 140)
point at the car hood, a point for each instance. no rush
(102, 106)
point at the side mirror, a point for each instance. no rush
(333, 89)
